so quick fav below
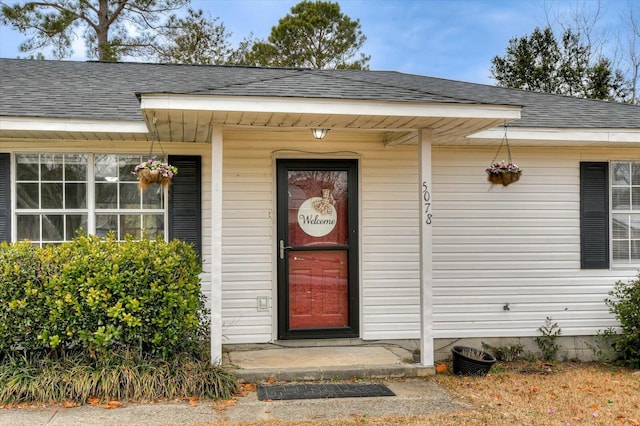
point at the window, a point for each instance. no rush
(625, 212)
(51, 196)
(120, 206)
(58, 194)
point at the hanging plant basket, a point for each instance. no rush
(154, 171)
(471, 362)
(504, 176)
(503, 172)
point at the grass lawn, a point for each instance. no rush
(528, 393)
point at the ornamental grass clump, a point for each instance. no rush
(124, 376)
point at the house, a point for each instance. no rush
(386, 228)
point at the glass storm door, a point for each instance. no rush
(317, 249)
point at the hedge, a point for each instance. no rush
(99, 294)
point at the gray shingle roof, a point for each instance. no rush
(96, 90)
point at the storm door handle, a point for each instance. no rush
(283, 248)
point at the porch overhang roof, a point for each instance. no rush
(189, 118)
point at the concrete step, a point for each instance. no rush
(321, 363)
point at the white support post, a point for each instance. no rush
(216, 245)
(426, 272)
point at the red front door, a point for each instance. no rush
(317, 248)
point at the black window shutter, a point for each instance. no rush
(594, 215)
(5, 197)
(185, 201)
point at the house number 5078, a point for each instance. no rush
(426, 196)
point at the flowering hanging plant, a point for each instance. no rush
(154, 171)
(503, 167)
(503, 172)
(164, 169)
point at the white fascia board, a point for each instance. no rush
(325, 106)
(39, 124)
(561, 135)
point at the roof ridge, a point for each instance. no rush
(245, 83)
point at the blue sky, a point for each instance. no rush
(453, 39)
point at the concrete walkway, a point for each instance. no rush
(414, 396)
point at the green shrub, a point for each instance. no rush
(548, 341)
(100, 294)
(21, 311)
(624, 303)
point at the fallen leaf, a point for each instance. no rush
(441, 369)
(93, 400)
(111, 405)
(193, 402)
(219, 406)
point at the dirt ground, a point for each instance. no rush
(527, 393)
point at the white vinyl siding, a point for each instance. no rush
(492, 245)
(517, 245)
(389, 273)
(247, 242)
(390, 243)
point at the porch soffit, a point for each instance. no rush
(189, 118)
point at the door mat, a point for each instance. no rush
(321, 390)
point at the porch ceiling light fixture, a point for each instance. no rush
(319, 133)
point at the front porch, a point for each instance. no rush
(330, 359)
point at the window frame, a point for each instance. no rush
(91, 210)
(629, 212)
